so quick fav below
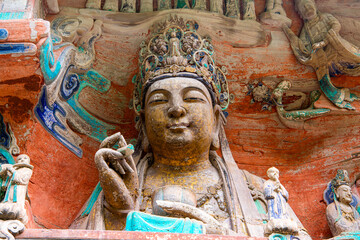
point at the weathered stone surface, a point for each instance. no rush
(84, 234)
(307, 158)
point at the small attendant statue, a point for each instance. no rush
(340, 214)
(355, 188)
(275, 14)
(15, 179)
(277, 197)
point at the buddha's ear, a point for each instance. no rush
(337, 194)
(218, 118)
(144, 139)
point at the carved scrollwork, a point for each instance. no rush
(11, 228)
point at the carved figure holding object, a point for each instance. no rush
(321, 47)
(276, 195)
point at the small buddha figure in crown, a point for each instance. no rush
(340, 214)
(173, 180)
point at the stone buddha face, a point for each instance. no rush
(344, 194)
(180, 120)
(307, 9)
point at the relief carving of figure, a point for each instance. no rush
(320, 46)
(14, 181)
(275, 14)
(173, 180)
(340, 214)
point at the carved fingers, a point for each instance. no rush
(109, 158)
(120, 159)
(110, 141)
(319, 45)
(10, 170)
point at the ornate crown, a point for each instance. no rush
(177, 50)
(342, 178)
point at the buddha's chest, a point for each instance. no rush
(201, 189)
(317, 31)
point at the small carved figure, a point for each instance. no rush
(174, 45)
(356, 191)
(112, 5)
(15, 179)
(321, 47)
(232, 8)
(249, 10)
(216, 6)
(277, 197)
(341, 216)
(275, 14)
(200, 5)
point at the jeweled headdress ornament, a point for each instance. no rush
(178, 50)
(342, 178)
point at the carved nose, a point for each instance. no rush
(176, 112)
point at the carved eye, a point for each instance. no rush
(158, 98)
(194, 96)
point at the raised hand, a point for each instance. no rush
(118, 176)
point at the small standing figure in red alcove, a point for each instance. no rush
(14, 181)
(277, 197)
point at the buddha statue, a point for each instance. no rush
(340, 214)
(174, 170)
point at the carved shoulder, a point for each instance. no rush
(22, 176)
(337, 222)
(331, 213)
(330, 20)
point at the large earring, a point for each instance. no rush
(215, 143)
(219, 121)
(145, 145)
